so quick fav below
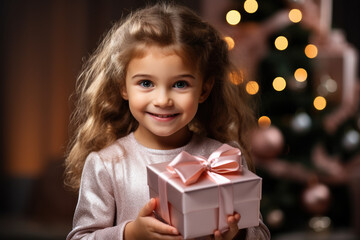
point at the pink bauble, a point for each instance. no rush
(267, 143)
(316, 198)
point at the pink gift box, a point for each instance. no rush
(194, 208)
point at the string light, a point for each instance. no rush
(300, 75)
(319, 103)
(251, 6)
(279, 84)
(230, 42)
(295, 15)
(233, 17)
(311, 51)
(264, 122)
(252, 87)
(281, 43)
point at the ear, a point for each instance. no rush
(206, 90)
(124, 93)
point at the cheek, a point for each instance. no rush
(136, 103)
(190, 105)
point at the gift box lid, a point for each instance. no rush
(204, 193)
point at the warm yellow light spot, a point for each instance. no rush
(233, 17)
(295, 15)
(252, 87)
(251, 6)
(281, 43)
(319, 103)
(300, 75)
(264, 122)
(311, 51)
(236, 77)
(279, 84)
(230, 42)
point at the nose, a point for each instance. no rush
(162, 98)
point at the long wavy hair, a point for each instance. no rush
(101, 115)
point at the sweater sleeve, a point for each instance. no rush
(260, 232)
(94, 216)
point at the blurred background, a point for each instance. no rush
(298, 59)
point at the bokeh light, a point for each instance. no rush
(319, 103)
(319, 224)
(301, 122)
(281, 43)
(351, 139)
(279, 84)
(330, 85)
(300, 75)
(311, 51)
(236, 77)
(230, 42)
(251, 6)
(252, 87)
(233, 17)
(264, 122)
(295, 15)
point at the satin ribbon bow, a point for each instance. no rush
(189, 168)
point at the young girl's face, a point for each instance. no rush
(163, 95)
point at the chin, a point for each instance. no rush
(167, 134)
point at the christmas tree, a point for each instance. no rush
(304, 75)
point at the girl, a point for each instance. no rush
(157, 85)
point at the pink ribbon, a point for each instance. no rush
(189, 168)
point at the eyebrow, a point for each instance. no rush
(177, 76)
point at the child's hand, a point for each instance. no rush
(231, 233)
(147, 227)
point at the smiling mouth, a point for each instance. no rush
(164, 115)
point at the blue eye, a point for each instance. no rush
(146, 84)
(181, 84)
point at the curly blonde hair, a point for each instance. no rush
(102, 115)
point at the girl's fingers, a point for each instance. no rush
(148, 209)
(167, 237)
(217, 235)
(163, 228)
(237, 217)
(233, 228)
(153, 225)
(233, 224)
